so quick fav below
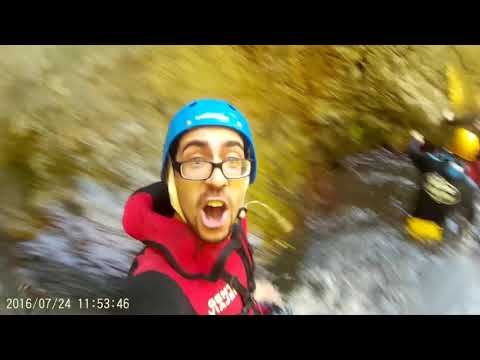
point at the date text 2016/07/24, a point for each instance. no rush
(38, 303)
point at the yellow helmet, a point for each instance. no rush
(465, 144)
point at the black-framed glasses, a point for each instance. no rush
(199, 169)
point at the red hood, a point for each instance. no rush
(142, 223)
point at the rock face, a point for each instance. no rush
(70, 111)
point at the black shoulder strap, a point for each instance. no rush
(249, 265)
(245, 293)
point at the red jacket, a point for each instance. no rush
(473, 170)
(207, 278)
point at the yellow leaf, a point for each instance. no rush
(456, 88)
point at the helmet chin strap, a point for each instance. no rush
(172, 192)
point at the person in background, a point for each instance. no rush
(471, 121)
(445, 185)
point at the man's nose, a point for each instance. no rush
(217, 179)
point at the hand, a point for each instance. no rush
(417, 136)
(267, 293)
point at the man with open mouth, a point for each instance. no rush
(197, 259)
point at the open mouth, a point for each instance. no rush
(214, 214)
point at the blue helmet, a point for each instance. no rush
(209, 112)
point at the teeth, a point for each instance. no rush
(215, 203)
